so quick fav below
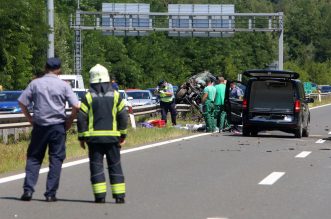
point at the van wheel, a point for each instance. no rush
(298, 132)
(305, 132)
(254, 133)
(245, 131)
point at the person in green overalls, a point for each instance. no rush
(207, 100)
(220, 113)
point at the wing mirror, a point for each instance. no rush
(310, 100)
(130, 98)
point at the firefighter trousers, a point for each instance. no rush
(96, 155)
(208, 113)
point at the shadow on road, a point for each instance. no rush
(59, 200)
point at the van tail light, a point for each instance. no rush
(297, 106)
(244, 105)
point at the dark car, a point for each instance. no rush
(275, 100)
(9, 103)
(325, 89)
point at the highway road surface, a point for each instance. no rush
(271, 176)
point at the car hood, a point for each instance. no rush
(140, 102)
(9, 106)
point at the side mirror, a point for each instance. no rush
(130, 98)
(310, 100)
(154, 98)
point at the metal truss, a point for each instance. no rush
(180, 25)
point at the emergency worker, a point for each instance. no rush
(102, 124)
(48, 95)
(207, 100)
(220, 113)
(167, 101)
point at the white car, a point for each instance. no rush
(124, 96)
(140, 97)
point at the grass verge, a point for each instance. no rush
(13, 156)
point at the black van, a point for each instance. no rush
(275, 100)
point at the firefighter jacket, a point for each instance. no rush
(102, 117)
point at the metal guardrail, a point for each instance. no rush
(13, 123)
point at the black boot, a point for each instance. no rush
(27, 196)
(119, 200)
(100, 200)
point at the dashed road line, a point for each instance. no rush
(320, 141)
(272, 178)
(303, 154)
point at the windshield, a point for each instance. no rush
(71, 82)
(80, 94)
(122, 95)
(139, 95)
(9, 96)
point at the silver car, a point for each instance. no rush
(140, 97)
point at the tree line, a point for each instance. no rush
(143, 61)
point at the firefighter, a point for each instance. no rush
(102, 124)
(207, 100)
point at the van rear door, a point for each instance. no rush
(267, 73)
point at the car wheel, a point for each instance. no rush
(254, 132)
(298, 132)
(245, 131)
(305, 131)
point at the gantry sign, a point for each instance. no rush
(181, 20)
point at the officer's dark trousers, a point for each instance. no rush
(54, 136)
(113, 156)
(165, 108)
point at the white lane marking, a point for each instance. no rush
(272, 178)
(303, 154)
(316, 107)
(77, 162)
(320, 141)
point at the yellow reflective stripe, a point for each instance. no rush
(99, 133)
(99, 188)
(90, 112)
(118, 188)
(121, 106)
(83, 134)
(83, 107)
(125, 131)
(114, 110)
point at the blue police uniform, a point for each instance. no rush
(48, 95)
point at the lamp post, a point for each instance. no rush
(50, 9)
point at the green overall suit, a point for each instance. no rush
(208, 108)
(220, 113)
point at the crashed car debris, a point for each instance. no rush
(190, 92)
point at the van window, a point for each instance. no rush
(301, 91)
(271, 95)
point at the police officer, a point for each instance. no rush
(102, 124)
(167, 101)
(207, 100)
(48, 95)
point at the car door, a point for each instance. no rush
(233, 105)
